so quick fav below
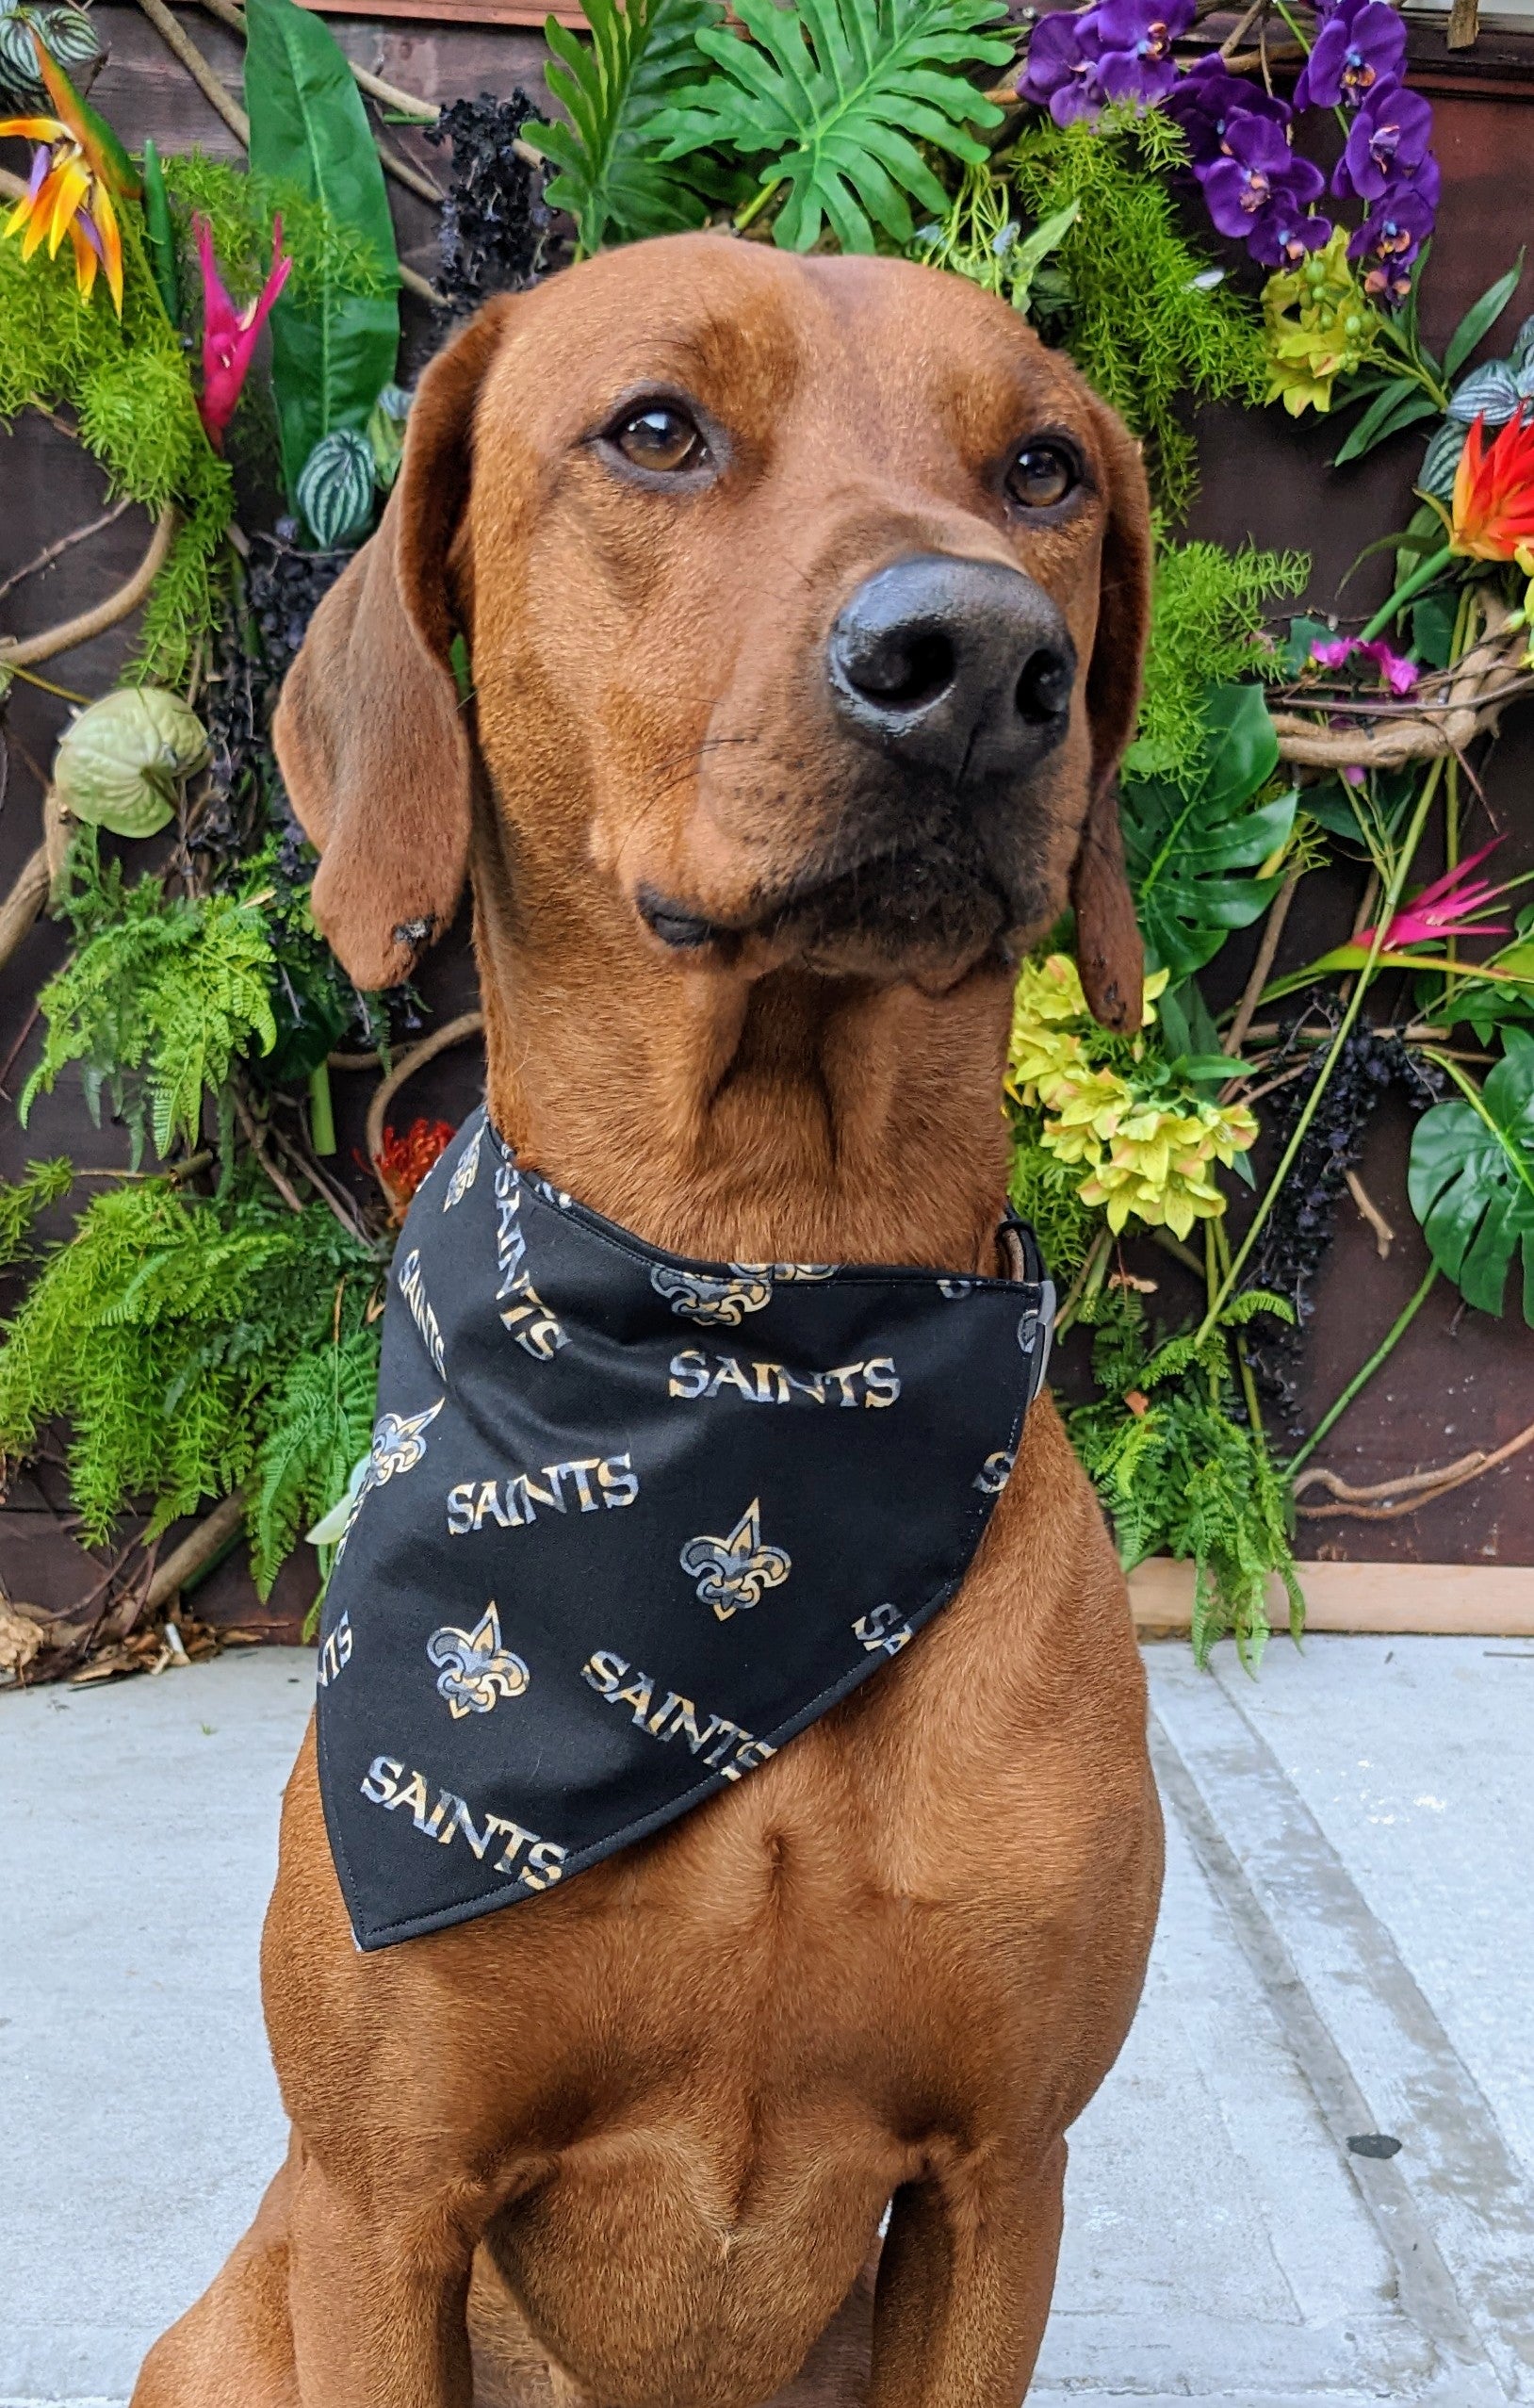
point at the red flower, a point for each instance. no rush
(405, 1161)
(1494, 491)
(229, 334)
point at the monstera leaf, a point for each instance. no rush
(1191, 848)
(610, 177)
(840, 92)
(1471, 1181)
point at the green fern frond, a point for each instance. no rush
(157, 1005)
(318, 1422)
(610, 177)
(840, 92)
(165, 1332)
(21, 1200)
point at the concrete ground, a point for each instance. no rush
(1347, 1950)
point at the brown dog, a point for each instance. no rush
(806, 602)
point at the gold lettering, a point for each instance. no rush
(881, 1380)
(603, 1670)
(619, 1481)
(689, 1373)
(382, 1780)
(731, 1371)
(813, 1386)
(844, 1379)
(584, 1488)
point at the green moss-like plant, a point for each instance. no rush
(128, 382)
(1130, 298)
(1206, 630)
(1046, 1192)
(240, 206)
(21, 1200)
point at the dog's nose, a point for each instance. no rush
(958, 666)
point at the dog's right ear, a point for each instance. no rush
(370, 737)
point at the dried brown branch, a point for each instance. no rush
(256, 1138)
(1384, 1236)
(1262, 967)
(213, 88)
(20, 651)
(452, 1032)
(1415, 1489)
(198, 1548)
(66, 543)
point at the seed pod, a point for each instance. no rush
(120, 762)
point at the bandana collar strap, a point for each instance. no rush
(628, 1524)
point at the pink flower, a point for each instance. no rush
(1398, 673)
(1447, 907)
(229, 335)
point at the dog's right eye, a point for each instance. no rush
(661, 438)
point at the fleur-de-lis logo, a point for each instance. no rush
(732, 1572)
(477, 1671)
(994, 1473)
(703, 1298)
(795, 1271)
(398, 1444)
(465, 1173)
(953, 1289)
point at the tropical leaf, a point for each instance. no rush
(1191, 848)
(331, 354)
(1471, 1181)
(839, 93)
(610, 177)
(319, 1419)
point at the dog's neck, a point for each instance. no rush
(788, 1117)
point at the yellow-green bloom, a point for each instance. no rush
(1144, 1152)
(1318, 324)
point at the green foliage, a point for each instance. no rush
(1185, 845)
(1133, 313)
(1178, 1475)
(1471, 1180)
(319, 1418)
(333, 353)
(163, 996)
(839, 93)
(130, 383)
(1206, 628)
(168, 1332)
(240, 205)
(21, 1200)
(979, 237)
(609, 178)
(1046, 1192)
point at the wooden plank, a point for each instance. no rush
(1467, 1601)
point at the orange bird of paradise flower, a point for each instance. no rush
(71, 187)
(1494, 492)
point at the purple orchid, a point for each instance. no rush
(1387, 143)
(1136, 37)
(1202, 101)
(1259, 192)
(1061, 70)
(1361, 46)
(1397, 225)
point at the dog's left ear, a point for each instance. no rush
(1109, 955)
(370, 734)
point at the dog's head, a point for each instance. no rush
(806, 601)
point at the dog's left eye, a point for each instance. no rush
(1041, 475)
(661, 438)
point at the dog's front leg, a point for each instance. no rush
(378, 2299)
(965, 2281)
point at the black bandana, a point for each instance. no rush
(628, 1524)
